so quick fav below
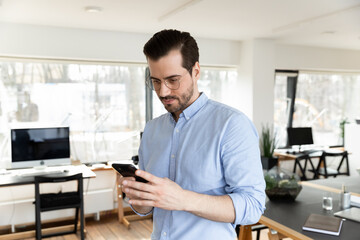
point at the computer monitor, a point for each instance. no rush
(300, 136)
(40, 147)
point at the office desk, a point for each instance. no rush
(288, 218)
(283, 156)
(334, 184)
(13, 179)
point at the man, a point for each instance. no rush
(201, 159)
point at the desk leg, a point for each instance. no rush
(121, 217)
(245, 232)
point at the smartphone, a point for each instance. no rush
(128, 170)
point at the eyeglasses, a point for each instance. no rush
(171, 83)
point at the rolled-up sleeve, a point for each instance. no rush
(243, 171)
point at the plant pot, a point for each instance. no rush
(281, 185)
(268, 163)
(283, 194)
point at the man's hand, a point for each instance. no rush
(166, 194)
(158, 192)
(139, 209)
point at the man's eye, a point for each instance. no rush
(172, 80)
(156, 82)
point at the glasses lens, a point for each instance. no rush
(173, 84)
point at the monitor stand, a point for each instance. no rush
(299, 148)
(41, 167)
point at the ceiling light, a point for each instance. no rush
(93, 9)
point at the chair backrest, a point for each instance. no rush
(56, 179)
(44, 179)
(335, 154)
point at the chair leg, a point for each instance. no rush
(38, 224)
(82, 221)
(76, 219)
(258, 232)
(347, 164)
(303, 177)
(325, 167)
(344, 158)
(313, 169)
(37, 212)
(294, 170)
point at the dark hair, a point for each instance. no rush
(169, 39)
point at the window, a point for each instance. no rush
(218, 84)
(103, 104)
(322, 101)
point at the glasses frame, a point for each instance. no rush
(150, 85)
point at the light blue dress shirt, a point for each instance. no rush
(213, 149)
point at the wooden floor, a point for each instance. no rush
(108, 228)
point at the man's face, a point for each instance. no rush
(170, 68)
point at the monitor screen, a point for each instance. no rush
(300, 136)
(40, 146)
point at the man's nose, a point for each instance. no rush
(164, 90)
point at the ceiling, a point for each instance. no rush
(321, 23)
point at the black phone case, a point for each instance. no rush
(127, 170)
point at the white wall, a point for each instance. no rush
(57, 42)
(313, 58)
(256, 76)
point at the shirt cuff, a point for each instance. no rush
(246, 212)
(141, 214)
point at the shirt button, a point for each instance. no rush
(164, 233)
(172, 155)
(177, 130)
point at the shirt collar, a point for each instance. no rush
(195, 106)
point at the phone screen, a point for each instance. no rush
(128, 170)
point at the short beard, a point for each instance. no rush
(183, 101)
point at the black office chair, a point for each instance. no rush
(135, 159)
(56, 201)
(327, 172)
(307, 159)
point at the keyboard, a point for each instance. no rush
(310, 151)
(40, 173)
(304, 152)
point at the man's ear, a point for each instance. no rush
(196, 71)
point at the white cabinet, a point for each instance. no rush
(16, 202)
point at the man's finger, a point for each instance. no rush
(145, 203)
(147, 176)
(139, 194)
(145, 187)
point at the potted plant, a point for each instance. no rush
(282, 186)
(342, 129)
(267, 147)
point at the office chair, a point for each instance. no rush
(56, 201)
(135, 159)
(327, 172)
(307, 159)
